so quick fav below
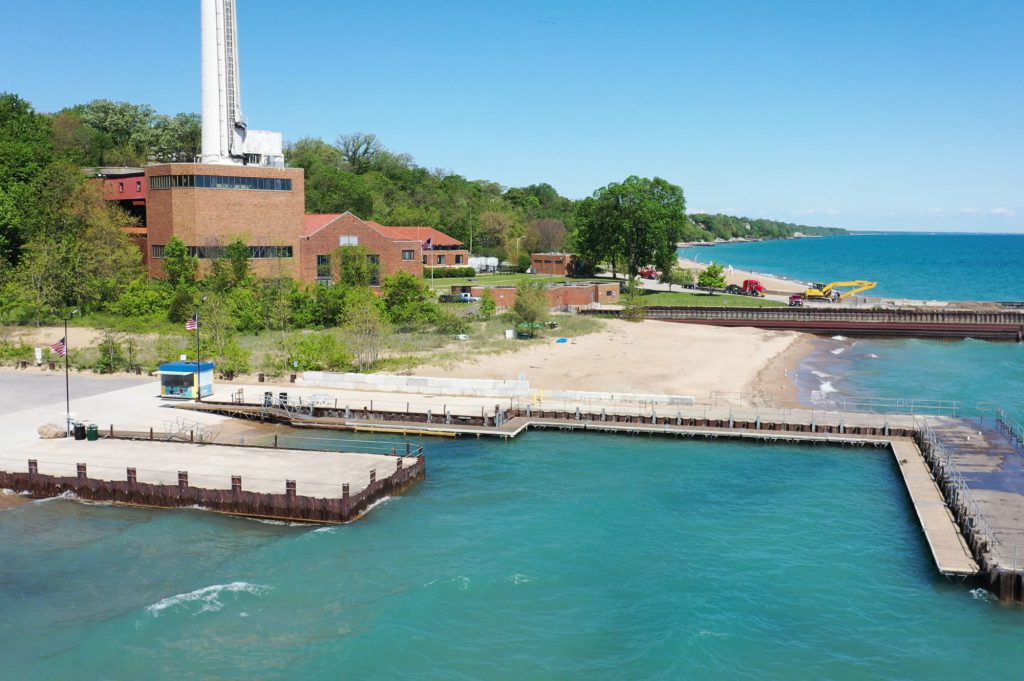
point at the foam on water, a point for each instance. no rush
(208, 596)
(838, 351)
(839, 338)
(63, 495)
(826, 387)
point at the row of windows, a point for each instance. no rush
(440, 260)
(120, 187)
(220, 182)
(213, 252)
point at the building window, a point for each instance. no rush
(348, 240)
(206, 252)
(323, 266)
(374, 259)
(408, 255)
(267, 252)
(424, 259)
(120, 187)
(215, 252)
(158, 252)
(220, 182)
(440, 260)
(458, 260)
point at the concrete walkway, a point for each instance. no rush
(316, 474)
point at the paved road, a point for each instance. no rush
(26, 389)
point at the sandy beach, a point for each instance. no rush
(651, 357)
(736, 276)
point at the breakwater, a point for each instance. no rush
(281, 484)
(1007, 325)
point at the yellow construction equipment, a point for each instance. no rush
(831, 291)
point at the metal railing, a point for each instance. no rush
(1013, 428)
(963, 502)
(212, 436)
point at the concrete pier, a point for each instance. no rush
(282, 484)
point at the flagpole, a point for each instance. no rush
(67, 384)
(199, 359)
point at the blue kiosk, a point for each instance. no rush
(178, 379)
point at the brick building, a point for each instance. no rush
(556, 264)
(324, 234)
(210, 205)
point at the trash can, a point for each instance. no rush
(92, 433)
(79, 431)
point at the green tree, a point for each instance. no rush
(232, 269)
(488, 306)
(532, 305)
(353, 266)
(712, 277)
(25, 152)
(634, 307)
(180, 267)
(681, 277)
(319, 352)
(638, 220)
(407, 300)
(365, 332)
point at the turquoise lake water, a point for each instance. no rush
(555, 556)
(558, 556)
(921, 266)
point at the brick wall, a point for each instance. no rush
(212, 217)
(328, 239)
(556, 264)
(569, 295)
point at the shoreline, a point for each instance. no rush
(772, 282)
(776, 383)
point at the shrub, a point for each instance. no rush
(318, 352)
(451, 324)
(448, 272)
(142, 298)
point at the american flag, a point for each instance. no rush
(192, 324)
(428, 244)
(60, 347)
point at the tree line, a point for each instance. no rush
(62, 246)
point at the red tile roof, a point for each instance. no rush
(420, 234)
(314, 223)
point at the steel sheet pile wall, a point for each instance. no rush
(288, 506)
(1005, 325)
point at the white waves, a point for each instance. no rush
(208, 596)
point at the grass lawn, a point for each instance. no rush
(704, 300)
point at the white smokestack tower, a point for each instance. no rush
(226, 138)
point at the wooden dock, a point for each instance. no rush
(960, 537)
(949, 549)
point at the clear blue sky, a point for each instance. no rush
(899, 115)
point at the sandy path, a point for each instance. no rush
(43, 336)
(650, 357)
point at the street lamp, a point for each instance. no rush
(67, 383)
(199, 375)
(518, 239)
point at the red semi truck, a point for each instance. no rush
(751, 287)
